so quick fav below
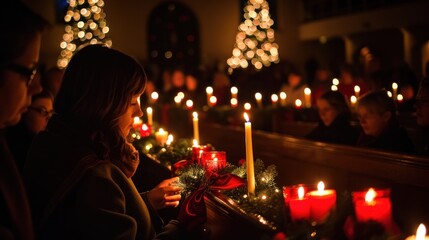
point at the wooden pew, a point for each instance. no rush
(343, 168)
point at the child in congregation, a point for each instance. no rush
(380, 127)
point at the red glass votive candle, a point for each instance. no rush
(197, 152)
(145, 130)
(373, 205)
(321, 203)
(291, 192)
(213, 160)
(299, 206)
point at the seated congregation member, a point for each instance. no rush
(294, 88)
(19, 56)
(422, 113)
(334, 125)
(381, 129)
(78, 172)
(33, 121)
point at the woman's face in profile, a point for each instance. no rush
(326, 112)
(126, 120)
(372, 122)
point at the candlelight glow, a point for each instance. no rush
(177, 99)
(320, 187)
(169, 139)
(421, 232)
(274, 98)
(181, 95)
(399, 97)
(258, 96)
(209, 90)
(234, 90)
(389, 93)
(307, 91)
(154, 95)
(136, 120)
(195, 115)
(298, 103)
(149, 110)
(247, 106)
(394, 86)
(335, 81)
(161, 131)
(145, 127)
(353, 99)
(283, 95)
(246, 117)
(189, 103)
(370, 195)
(213, 100)
(301, 192)
(234, 102)
(357, 89)
(334, 88)
(195, 143)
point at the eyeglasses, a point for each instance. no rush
(28, 73)
(42, 111)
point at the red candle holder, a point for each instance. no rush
(213, 160)
(378, 208)
(145, 130)
(297, 202)
(197, 152)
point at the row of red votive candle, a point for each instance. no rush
(211, 160)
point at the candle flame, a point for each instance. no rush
(320, 187)
(247, 106)
(357, 88)
(145, 127)
(234, 90)
(234, 101)
(170, 139)
(421, 232)
(195, 143)
(215, 159)
(154, 95)
(394, 86)
(177, 99)
(136, 120)
(189, 103)
(246, 117)
(181, 95)
(149, 110)
(161, 130)
(353, 99)
(209, 90)
(195, 115)
(400, 97)
(258, 96)
(370, 195)
(335, 81)
(334, 88)
(389, 93)
(274, 98)
(283, 95)
(298, 102)
(213, 99)
(307, 91)
(301, 192)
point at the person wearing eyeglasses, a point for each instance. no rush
(21, 31)
(34, 120)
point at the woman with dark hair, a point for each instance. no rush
(79, 171)
(19, 56)
(380, 127)
(334, 125)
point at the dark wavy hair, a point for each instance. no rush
(97, 89)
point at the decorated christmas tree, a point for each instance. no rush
(255, 38)
(86, 24)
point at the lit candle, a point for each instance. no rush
(145, 131)
(274, 99)
(400, 98)
(197, 151)
(195, 123)
(181, 95)
(394, 90)
(234, 92)
(283, 99)
(149, 112)
(300, 206)
(161, 136)
(258, 97)
(420, 234)
(213, 160)
(389, 93)
(335, 81)
(209, 91)
(249, 156)
(137, 123)
(170, 139)
(189, 104)
(307, 94)
(334, 88)
(247, 106)
(298, 103)
(154, 97)
(234, 102)
(321, 202)
(213, 101)
(357, 90)
(353, 101)
(178, 100)
(374, 206)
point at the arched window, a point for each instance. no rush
(173, 35)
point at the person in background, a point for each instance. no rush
(294, 88)
(381, 129)
(321, 84)
(334, 125)
(422, 113)
(194, 90)
(78, 172)
(19, 57)
(348, 80)
(33, 121)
